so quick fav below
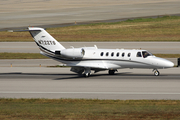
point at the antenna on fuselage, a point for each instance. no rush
(95, 46)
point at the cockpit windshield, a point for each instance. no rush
(146, 54)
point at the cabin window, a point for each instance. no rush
(123, 54)
(117, 54)
(146, 54)
(102, 53)
(129, 54)
(138, 54)
(107, 54)
(112, 54)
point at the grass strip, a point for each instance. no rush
(22, 56)
(39, 56)
(166, 28)
(89, 109)
(167, 55)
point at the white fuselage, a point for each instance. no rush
(114, 59)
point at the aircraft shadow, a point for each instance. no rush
(59, 76)
(124, 75)
(36, 75)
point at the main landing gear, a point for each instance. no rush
(156, 72)
(87, 72)
(111, 72)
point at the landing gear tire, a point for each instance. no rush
(156, 73)
(87, 74)
(111, 72)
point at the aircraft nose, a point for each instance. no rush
(164, 63)
(169, 64)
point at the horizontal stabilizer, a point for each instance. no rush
(25, 30)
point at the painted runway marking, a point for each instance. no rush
(118, 93)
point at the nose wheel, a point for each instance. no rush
(156, 72)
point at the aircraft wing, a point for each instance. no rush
(103, 66)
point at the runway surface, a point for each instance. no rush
(153, 47)
(42, 82)
(19, 13)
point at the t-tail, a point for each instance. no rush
(47, 44)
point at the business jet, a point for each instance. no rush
(84, 60)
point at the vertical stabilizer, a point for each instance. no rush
(44, 40)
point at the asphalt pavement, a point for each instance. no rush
(42, 82)
(53, 13)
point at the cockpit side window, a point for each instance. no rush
(146, 54)
(138, 54)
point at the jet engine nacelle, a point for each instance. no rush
(74, 53)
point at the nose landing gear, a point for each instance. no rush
(156, 72)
